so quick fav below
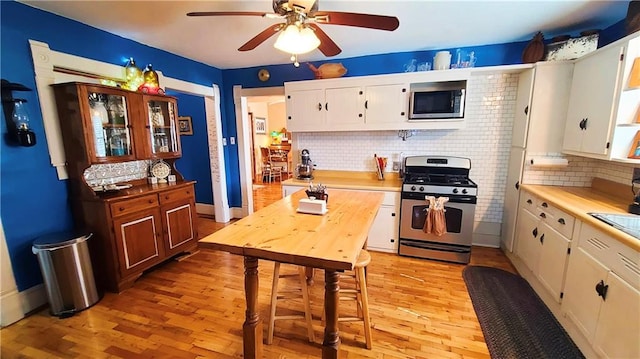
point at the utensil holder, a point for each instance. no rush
(323, 196)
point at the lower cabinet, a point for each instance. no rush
(602, 296)
(543, 241)
(146, 230)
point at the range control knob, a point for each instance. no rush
(455, 190)
(421, 189)
(413, 188)
(464, 191)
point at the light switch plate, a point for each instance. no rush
(232, 140)
(224, 141)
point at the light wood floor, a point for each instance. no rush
(194, 308)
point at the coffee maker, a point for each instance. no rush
(304, 169)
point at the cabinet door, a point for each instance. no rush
(162, 126)
(108, 124)
(619, 322)
(523, 102)
(512, 194)
(178, 226)
(386, 104)
(138, 237)
(383, 235)
(553, 260)
(548, 107)
(593, 90)
(528, 244)
(581, 302)
(345, 108)
(305, 110)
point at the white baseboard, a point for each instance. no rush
(208, 209)
(14, 305)
(236, 212)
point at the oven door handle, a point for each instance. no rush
(434, 246)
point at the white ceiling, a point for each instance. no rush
(424, 25)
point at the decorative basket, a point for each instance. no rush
(323, 196)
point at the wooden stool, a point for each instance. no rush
(359, 294)
(289, 294)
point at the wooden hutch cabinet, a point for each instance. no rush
(144, 224)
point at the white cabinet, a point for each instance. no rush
(374, 107)
(601, 295)
(591, 103)
(541, 103)
(383, 235)
(544, 237)
(366, 103)
(602, 109)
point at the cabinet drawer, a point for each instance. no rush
(133, 205)
(528, 201)
(562, 222)
(176, 195)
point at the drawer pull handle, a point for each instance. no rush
(529, 201)
(545, 205)
(542, 215)
(542, 239)
(535, 232)
(188, 192)
(561, 221)
(166, 197)
(150, 201)
(121, 209)
(602, 289)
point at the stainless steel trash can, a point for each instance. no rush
(67, 272)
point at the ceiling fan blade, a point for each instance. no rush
(327, 46)
(379, 22)
(261, 37)
(226, 13)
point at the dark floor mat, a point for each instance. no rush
(514, 320)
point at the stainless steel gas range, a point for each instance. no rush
(438, 176)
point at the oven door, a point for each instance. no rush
(459, 218)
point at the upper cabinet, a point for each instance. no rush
(364, 103)
(601, 118)
(103, 124)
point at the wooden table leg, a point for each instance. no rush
(252, 327)
(331, 343)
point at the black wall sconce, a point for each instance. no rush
(16, 115)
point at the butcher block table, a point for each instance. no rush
(279, 233)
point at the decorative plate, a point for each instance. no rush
(160, 170)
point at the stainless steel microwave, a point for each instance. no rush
(443, 101)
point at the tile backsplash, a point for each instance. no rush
(99, 175)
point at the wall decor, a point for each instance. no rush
(185, 125)
(261, 125)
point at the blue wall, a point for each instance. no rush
(34, 202)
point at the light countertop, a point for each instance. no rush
(350, 180)
(579, 201)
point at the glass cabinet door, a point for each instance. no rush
(162, 122)
(110, 124)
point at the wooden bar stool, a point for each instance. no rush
(289, 293)
(359, 294)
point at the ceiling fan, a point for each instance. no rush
(300, 33)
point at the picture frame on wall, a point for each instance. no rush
(261, 125)
(185, 125)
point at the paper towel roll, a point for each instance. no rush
(549, 162)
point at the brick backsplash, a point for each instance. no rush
(99, 175)
(486, 140)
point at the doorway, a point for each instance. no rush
(247, 164)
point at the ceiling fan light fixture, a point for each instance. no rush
(297, 40)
